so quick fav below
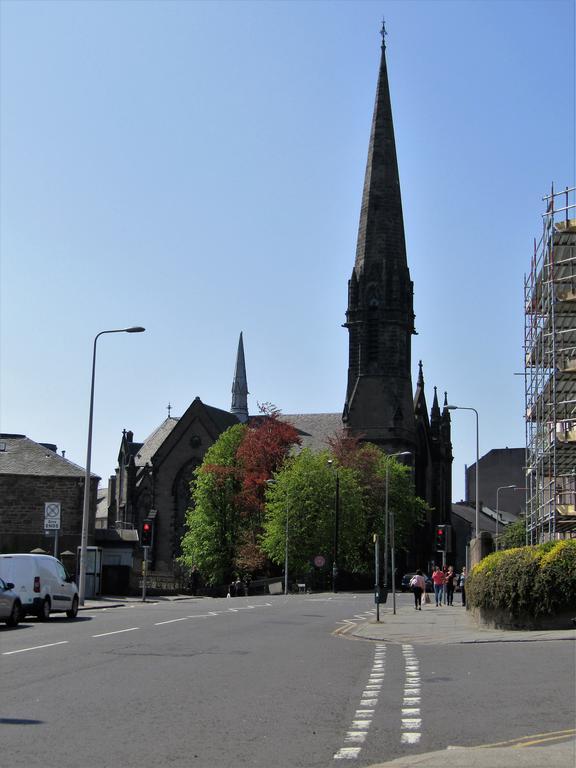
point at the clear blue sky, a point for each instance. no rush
(197, 168)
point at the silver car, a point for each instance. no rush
(10, 605)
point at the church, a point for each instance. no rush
(381, 406)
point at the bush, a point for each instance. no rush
(533, 581)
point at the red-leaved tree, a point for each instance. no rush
(266, 444)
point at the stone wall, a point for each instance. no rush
(22, 499)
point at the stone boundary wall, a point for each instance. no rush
(498, 619)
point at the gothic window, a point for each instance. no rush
(373, 332)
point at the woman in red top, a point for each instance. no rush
(438, 581)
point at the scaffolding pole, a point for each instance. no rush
(550, 374)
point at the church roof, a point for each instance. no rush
(149, 447)
(22, 456)
(315, 429)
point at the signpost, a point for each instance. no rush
(52, 521)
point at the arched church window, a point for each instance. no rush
(373, 332)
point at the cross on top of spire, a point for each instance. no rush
(383, 33)
(168, 408)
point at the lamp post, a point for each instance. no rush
(336, 525)
(392, 527)
(86, 507)
(501, 488)
(464, 408)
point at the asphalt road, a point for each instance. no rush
(260, 682)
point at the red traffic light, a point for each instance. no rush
(147, 533)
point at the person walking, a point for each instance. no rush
(438, 581)
(418, 584)
(449, 585)
(462, 585)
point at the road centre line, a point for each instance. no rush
(117, 632)
(171, 621)
(35, 648)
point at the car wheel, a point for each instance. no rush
(44, 613)
(73, 612)
(16, 615)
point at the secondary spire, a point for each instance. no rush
(240, 385)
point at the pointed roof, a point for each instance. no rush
(380, 235)
(435, 414)
(239, 405)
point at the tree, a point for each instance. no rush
(212, 521)
(266, 444)
(225, 521)
(514, 535)
(303, 493)
(304, 490)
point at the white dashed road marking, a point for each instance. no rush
(34, 648)
(117, 632)
(411, 720)
(363, 716)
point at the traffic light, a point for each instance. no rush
(147, 533)
(440, 538)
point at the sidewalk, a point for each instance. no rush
(446, 625)
(550, 756)
(119, 602)
(450, 625)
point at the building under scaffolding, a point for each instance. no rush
(550, 374)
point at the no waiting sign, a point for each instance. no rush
(52, 516)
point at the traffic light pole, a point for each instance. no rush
(144, 573)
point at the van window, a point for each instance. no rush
(61, 572)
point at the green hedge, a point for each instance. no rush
(533, 581)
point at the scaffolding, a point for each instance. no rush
(550, 374)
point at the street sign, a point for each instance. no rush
(319, 561)
(52, 516)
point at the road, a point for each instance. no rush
(261, 682)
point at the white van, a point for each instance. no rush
(42, 584)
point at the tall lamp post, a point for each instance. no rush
(86, 507)
(336, 526)
(464, 408)
(501, 488)
(389, 523)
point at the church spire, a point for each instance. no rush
(381, 229)
(380, 318)
(240, 385)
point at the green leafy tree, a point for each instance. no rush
(373, 466)
(514, 535)
(225, 521)
(304, 489)
(304, 492)
(212, 522)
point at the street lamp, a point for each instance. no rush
(392, 533)
(86, 507)
(464, 408)
(501, 488)
(336, 524)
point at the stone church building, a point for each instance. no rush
(381, 406)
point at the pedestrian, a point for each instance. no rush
(449, 585)
(418, 585)
(462, 584)
(438, 581)
(238, 587)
